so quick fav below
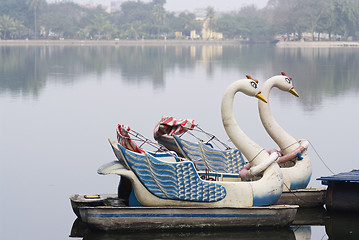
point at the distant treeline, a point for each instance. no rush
(288, 19)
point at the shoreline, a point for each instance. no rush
(317, 44)
(75, 42)
(70, 42)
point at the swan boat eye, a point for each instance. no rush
(254, 84)
(288, 80)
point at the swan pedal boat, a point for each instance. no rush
(204, 154)
(150, 197)
(109, 213)
(294, 160)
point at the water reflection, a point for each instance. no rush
(26, 70)
(80, 230)
(341, 225)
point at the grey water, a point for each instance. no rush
(60, 104)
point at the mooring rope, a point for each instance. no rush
(320, 158)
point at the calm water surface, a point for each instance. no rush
(60, 104)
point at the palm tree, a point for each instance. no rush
(100, 25)
(210, 14)
(35, 5)
(159, 15)
(9, 25)
(6, 25)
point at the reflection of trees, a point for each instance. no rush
(315, 71)
(319, 71)
(19, 73)
(25, 70)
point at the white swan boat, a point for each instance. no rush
(294, 161)
(163, 183)
(160, 192)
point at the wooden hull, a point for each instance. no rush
(92, 200)
(108, 213)
(308, 197)
(107, 218)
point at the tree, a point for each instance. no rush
(100, 26)
(34, 5)
(210, 15)
(228, 24)
(9, 26)
(135, 12)
(282, 16)
(185, 23)
(65, 19)
(347, 17)
(132, 30)
(159, 15)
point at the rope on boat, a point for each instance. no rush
(212, 138)
(295, 194)
(159, 148)
(320, 158)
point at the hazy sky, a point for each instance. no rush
(181, 5)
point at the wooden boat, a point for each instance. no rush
(109, 213)
(343, 191)
(306, 197)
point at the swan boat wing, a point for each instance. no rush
(208, 158)
(226, 161)
(171, 180)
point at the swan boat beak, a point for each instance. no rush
(292, 91)
(260, 97)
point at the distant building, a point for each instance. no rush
(194, 35)
(178, 35)
(208, 33)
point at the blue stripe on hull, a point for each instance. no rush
(301, 184)
(266, 200)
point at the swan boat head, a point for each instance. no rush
(286, 84)
(249, 87)
(258, 158)
(295, 162)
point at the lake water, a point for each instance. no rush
(59, 104)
